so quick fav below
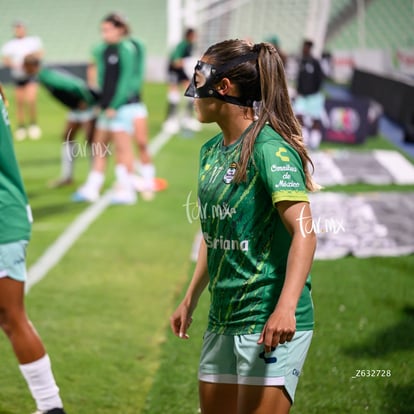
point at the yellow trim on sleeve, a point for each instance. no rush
(289, 196)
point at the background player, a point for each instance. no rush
(145, 166)
(112, 71)
(255, 258)
(14, 52)
(15, 230)
(74, 93)
(309, 102)
(177, 80)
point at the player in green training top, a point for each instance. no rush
(258, 242)
(74, 93)
(112, 71)
(145, 167)
(177, 79)
(15, 230)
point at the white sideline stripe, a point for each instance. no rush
(158, 142)
(67, 239)
(64, 242)
(397, 165)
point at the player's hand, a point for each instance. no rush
(110, 113)
(180, 321)
(279, 328)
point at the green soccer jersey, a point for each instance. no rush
(15, 215)
(67, 88)
(116, 65)
(247, 243)
(181, 51)
(139, 70)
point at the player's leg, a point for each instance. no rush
(146, 168)
(300, 107)
(216, 398)
(21, 132)
(141, 139)
(217, 375)
(315, 135)
(173, 99)
(31, 89)
(305, 128)
(316, 110)
(124, 153)
(254, 399)
(100, 150)
(124, 158)
(26, 343)
(68, 152)
(33, 360)
(89, 128)
(172, 124)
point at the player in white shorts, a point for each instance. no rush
(14, 52)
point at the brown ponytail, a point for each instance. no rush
(276, 110)
(3, 96)
(266, 74)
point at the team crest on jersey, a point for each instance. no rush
(230, 173)
(113, 59)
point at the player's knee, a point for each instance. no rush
(142, 146)
(6, 321)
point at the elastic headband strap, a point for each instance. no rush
(221, 71)
(233, 63)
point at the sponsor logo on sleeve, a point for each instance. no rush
(280, 154)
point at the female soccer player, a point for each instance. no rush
(177, 79)
(145, 167)
(258, 242)
(309, 105)
(14, 52)
(112, 71)
(74, 93)
(15, 228)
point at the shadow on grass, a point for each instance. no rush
(400, 398)
(58, 208)
(398, 395)
(399, 337)
(39, 162)
(2, 411)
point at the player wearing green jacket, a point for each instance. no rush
(145, 167)
(178, 79)
(113, 72)
(74, 93)
(258, 243)
(15, 230)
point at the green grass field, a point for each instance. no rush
(103, 310)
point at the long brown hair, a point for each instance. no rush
(264, 77)
(3, 96)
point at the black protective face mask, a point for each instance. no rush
(206, 76)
